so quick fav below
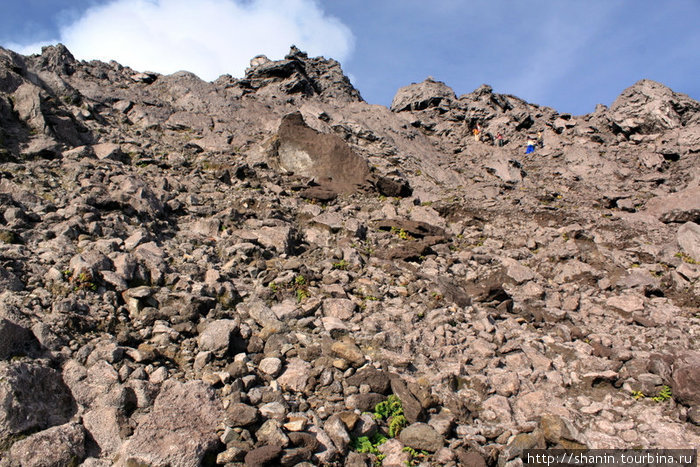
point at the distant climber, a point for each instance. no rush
(530, 146)
(540, 139)
(499, 139)
(477, 132)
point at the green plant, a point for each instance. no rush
(83, 281)
(663, 395)
(301, 295)
(416, 456)
(402, 234)
(301, 290)
(686, 258)
(342, 265)
(391, 410)
(397, 423)
(388, 408)
(363, 444)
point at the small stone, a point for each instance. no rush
(442, 422)
(218, 336)
(271, 433)
(394, 453)
(348, 350)
(239, 415)
(335, 428)
(444, 456)
(470, 458)
(262, 456)
(275, 410)
(296, 424)
(363, 402)
(232, 454)
(295, 376)
(270, 366)
(378, 381)
(628, 303)
(421, 436)
(520, 443)
(340, 308)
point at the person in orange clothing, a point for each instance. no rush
(477, 132)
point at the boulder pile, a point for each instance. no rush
(270, 271)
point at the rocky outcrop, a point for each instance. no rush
(649, 107)
(236, 272)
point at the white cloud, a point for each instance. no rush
(206, 37)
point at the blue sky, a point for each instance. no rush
(566, 54)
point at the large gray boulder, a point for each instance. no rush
(688, 238)
(328, 159)
(32, 397)
(180, 431)
(60, 445)
(681, 206)
(16, 340)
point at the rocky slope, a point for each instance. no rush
(238, 272)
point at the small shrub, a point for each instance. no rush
(397, 423)
(663, 395)
(388, 408)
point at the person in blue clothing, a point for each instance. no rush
(530, 146)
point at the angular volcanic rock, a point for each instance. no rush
(328, 159)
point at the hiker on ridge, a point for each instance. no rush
(477, 132)
(499, 139)
(540, 139)
(530, 146)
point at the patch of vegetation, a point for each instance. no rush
(302, 295)
(397, 423)
(416, 456)
(298, 287)
(388, 408)
(83, 281)
(301, 289)
(401, 233)
(363, 444)
(8, 236)
(663, 395)
(686, 258)
(392, 411)
(341, 265)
